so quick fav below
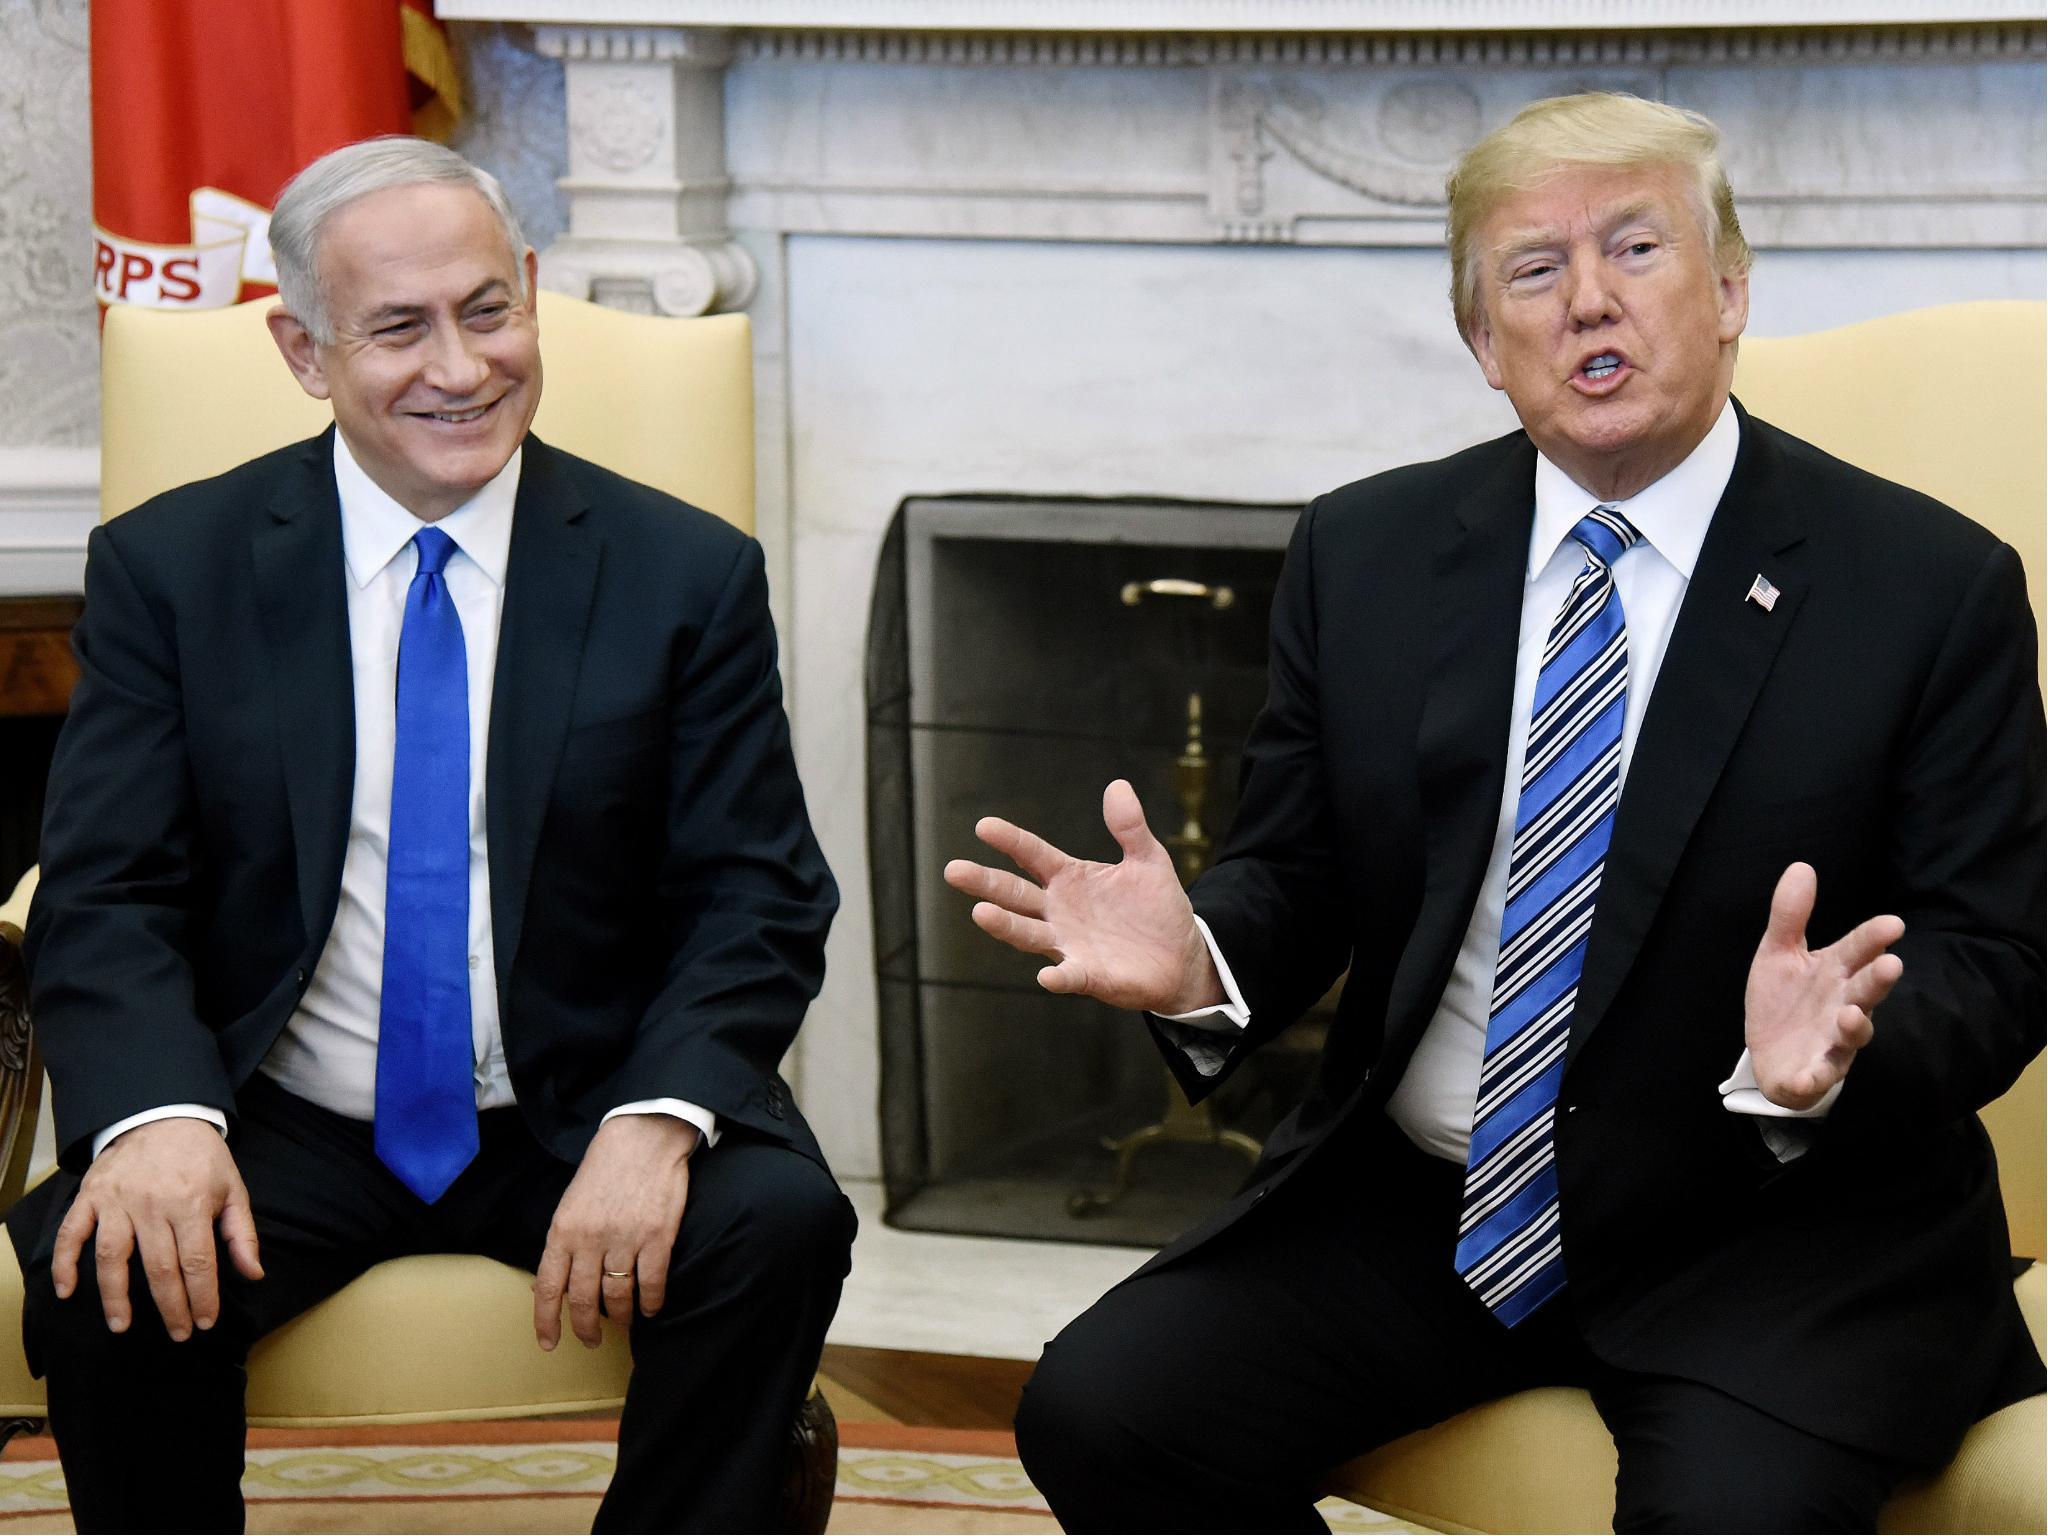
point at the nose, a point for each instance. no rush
(455, 366)
(1591, 293)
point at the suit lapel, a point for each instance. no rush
(303, 603)
(1720, 652)
(550, 579)
(1479, 576)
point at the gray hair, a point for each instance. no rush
(340, 177)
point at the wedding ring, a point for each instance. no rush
(618, 1274)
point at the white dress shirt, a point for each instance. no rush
(327, 1052)
(1433, 1101)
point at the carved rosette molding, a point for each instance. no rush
(1422, 125)
(647, 183)
(1289, 145)
(1696, 46)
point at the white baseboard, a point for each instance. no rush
(49, 502)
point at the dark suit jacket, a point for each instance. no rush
(1882, 722)
(658, 903)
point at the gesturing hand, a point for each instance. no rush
(1806, 1012)
(161, 1188)
(1122, 933)
(616, 1224)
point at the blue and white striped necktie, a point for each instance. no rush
(1509, 1246)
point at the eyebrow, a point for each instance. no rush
(1636, 210)
(391, 312)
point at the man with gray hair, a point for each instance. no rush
(425, 870)
(1593, 1109)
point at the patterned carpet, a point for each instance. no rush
(541, 1476)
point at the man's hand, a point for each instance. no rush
(1807, 1011)
(1122, 933)
(616, 1224)
(162, 1188)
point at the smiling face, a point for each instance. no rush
(1603, 315)
(434, 370)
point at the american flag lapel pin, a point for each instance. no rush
(1763, 593)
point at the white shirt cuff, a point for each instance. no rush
(1741, 1096)
(206, 1112)
(682, 1109)
(1232, 1012)
(1788, 1133)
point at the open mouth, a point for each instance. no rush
(1605, 366)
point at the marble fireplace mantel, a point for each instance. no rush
(1240, 16)
(1316, 122)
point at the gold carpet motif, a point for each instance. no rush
(543, 1477)
(359, 1472)
(936, 1478)
(471, 1471)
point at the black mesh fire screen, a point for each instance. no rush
(1021, 654)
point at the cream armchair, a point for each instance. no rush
(1950, 401)
(445, 1337)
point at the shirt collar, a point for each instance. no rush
(1672, 514)
(374, 527)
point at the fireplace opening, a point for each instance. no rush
(1022, 653)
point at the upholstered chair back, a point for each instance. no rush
(666, 402)
(1952, 401)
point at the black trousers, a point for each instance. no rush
(151, 1432)
(1213, 1393)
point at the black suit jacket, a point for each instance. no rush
(658, 903)
(1882, 722)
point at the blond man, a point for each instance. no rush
(1673, 794)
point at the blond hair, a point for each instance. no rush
(1597, 128)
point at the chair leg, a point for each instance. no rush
(811, 1472)
(9, 1428)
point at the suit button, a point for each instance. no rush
(775, 1103)
(1571, 1109)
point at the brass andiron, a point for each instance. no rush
(1135, 592)
(1192, 845)
(1182, 1122)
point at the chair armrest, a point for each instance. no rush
(21, 1069)
(15, 908)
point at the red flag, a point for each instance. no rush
(203, 109)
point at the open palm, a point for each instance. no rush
(1807, 1011)
(1122, 933)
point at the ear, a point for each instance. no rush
(533, 283)
(1480, 340)
(1732, 291)
(301, 354)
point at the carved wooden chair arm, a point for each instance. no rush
(21, 1070)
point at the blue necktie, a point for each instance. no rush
(426, 1094)
(1509, 1246)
